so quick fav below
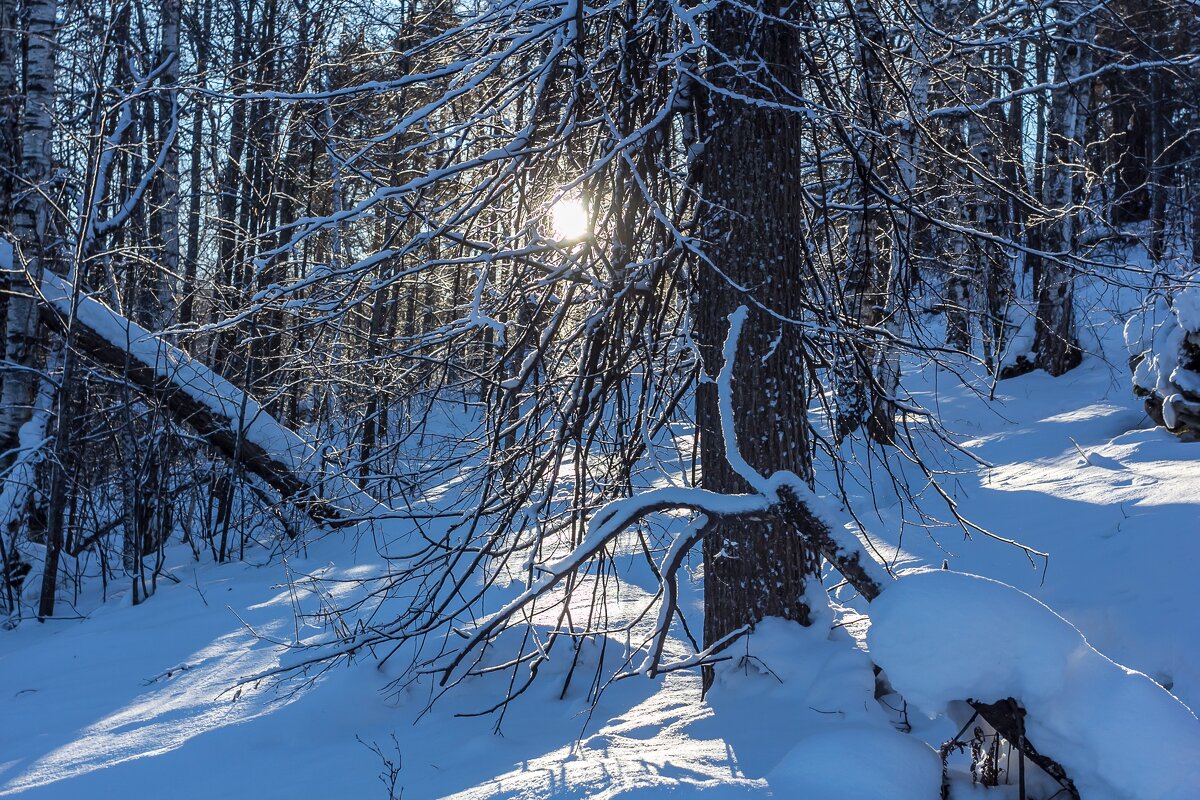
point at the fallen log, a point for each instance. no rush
(221, 414)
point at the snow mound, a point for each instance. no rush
(1163, 341)
(943, 636)
(800, 710)
(860, 762)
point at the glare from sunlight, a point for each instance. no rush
(570, 219)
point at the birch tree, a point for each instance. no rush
(32, 219)
(1056, 342)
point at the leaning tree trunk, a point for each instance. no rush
(31, 220)
(1056, 345)
(223, 415)
(751, 187)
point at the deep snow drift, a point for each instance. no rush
(944, 636)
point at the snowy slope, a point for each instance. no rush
(101, 707)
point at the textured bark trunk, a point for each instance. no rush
(1055, 343)
(10, 145)
(31, 219)
(751, 184)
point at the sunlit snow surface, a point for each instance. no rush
(87, 709)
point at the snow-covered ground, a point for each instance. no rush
(144, 702)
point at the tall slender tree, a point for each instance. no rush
(1056, 342)
(32, 218)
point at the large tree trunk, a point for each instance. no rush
(751, 184)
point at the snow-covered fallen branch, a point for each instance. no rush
(784, 496)
(221, 413)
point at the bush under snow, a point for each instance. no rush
(1163, 340)
(943, 636)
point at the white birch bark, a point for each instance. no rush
(1056, 346)
(31, 219)
(882, 423)
(863, 293)
(168, 179)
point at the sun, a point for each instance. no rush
(570, 219)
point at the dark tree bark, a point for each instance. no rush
(751, 180)
(10, 136)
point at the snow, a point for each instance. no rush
(943, 636)
(102, 706)
(1186, 305)
(1155, 337)
(725, 399)
(805, 697)
(877, 763)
